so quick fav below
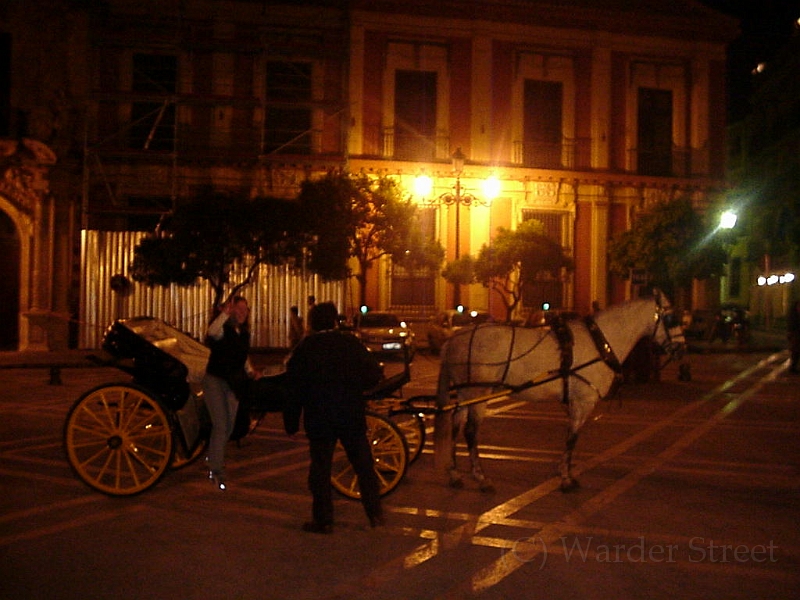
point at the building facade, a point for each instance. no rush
(584, 112)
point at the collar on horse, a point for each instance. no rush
(566, 341)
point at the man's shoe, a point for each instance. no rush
(314, 527)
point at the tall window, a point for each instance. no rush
(415, 115)
(155, 81)
(288, 120)
(546, 288)
(416, 287)
(654, 135)
(543, 124)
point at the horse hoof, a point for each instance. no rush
(457, 483)
(487, 487)
(569, 485)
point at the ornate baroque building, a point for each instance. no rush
(585, 111)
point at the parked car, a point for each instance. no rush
(384, 333)
(447, 323)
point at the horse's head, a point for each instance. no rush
(668, 333)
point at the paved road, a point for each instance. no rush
(689, 489)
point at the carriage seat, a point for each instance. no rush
(184, 348)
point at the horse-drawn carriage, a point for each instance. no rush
(122, 438)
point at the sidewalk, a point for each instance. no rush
(760, 341)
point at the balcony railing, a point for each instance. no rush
(387, 142)
(676, 163)
(193, 142)
(570, 154)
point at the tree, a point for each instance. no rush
(672, 244)
(214, 235)
(513, 260)
(774, 215)
(355, 215)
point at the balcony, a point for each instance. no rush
(387, 142)
(568, 154)
(676, 163)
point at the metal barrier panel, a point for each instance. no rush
(105, 254)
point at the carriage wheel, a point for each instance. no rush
(118, 439)
(412, 426)
(389, 452)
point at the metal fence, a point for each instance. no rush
(105, 254)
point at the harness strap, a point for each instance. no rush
(510, 352)
(566, 343)
(603, 347)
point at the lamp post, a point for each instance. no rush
(459, 197)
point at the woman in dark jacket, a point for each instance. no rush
(328, 373)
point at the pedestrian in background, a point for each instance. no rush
(227, 376)
(296, 328)
(793, 326)
(328, 373)
(311, 302)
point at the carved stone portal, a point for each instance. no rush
(26, 199)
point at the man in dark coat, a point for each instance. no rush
(328, 373)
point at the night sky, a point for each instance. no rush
(766, 26)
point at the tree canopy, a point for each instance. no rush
(514, 259)
(215, 234)
(333, 219)
(774, 215)
(358, 216)
(672, 244)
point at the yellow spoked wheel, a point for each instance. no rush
(389, 452)
(412, 426)
(118, 439)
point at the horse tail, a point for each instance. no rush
(443, 421)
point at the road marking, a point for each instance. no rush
(493, 573)
(502, 568)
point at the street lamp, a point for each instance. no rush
(728, 220)
(458, 198)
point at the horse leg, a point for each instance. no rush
(475, 415)
(568, 483)
(459, 418)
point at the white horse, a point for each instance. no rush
(576, 362)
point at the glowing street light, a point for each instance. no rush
(423, 186)
(728, 220)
